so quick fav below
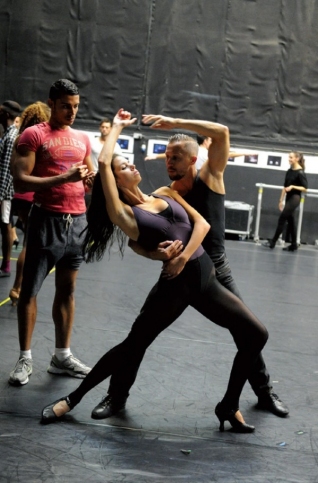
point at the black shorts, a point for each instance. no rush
(53, 239)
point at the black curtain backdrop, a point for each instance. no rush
(250, 64)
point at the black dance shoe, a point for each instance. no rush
(49, 416)
(229, 415)
(109, 406)
(291, 248)
(271, 402)
(269, 244)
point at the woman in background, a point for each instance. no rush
(295, 184)
(22, 202)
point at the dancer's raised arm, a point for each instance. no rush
(120, 213)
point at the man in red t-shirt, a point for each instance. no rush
(53, 160)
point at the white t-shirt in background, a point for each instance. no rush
(96, 146)
(202, 157)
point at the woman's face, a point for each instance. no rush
(126, 174)
(293, 159)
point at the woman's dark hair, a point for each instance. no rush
(300, 158)
(101, 233)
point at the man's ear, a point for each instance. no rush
(50, 103)
(193, 160)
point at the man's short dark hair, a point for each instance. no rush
(200, 139)
(63, 87)
(106, 119)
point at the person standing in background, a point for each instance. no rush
(9, 110)
(295, 184)
(15, 238)
(17, 122)
(98, 141)
(204, 144)
(53, 160)
(22, 202)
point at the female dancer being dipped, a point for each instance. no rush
(188, 279)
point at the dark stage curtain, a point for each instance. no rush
(250, 64)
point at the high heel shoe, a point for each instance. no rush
(49, 416)
(16, 243)
(14, 295)
(229, 415)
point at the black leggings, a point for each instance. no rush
(196, 286)
(259, 377)
(287, 214)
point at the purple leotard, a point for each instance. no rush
(171, 224)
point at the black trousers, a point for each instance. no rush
(287, 215)
(259, 377)
(198, 287)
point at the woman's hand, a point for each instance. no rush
(289, 188)
(123, 119)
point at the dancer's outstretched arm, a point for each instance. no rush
(120, 213)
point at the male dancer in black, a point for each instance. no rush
(205, 191)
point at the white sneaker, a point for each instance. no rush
(20, 374)
(70, 366)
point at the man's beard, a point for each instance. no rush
(175, 177)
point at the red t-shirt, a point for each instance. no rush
(28, 196)
(56, 151)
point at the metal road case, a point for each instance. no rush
(238, 218)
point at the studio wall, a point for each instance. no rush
(250, 64)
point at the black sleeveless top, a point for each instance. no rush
(211, 206)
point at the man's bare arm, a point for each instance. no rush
(23, 164)
(218, 152)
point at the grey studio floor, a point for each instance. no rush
(169, 432)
